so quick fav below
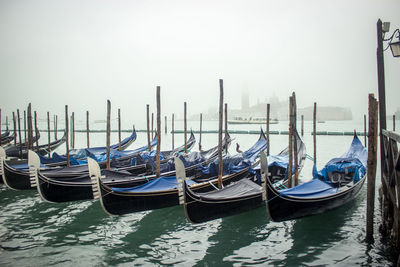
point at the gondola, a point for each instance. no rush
(163, 192)
(17, 177)
(80, 188)
(21, 151)
(244, 195)
(336, 184)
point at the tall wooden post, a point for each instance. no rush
(365, 130)
(36, 133)
(226, 128)
(185, 125)
(165, 122)
(108, 133)
(55, 126)
(48, 132)
(372, 160)
(221, 107)
(119, 129)
(15, 128)
(394, 123)
(87, 129)
(67, 133)
(26, 140)
(302, 125)
(290, 165)
(267, 127)
(19, 133)
(173, 130)
(30, 135)
(73, 129)
(315, 132)
(294, 138)
(152, 125)
(201, 126)
(158, 132)
(148, 126)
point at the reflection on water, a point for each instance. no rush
(36, 233)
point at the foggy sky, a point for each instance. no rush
(81, 53)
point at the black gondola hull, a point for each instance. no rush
(282, 208)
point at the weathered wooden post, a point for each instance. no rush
(302, 125)
(372, 160)
(158, 132)
(294, 138)
(165, 122)
(73, 130)
(290, 165)
(108, 133)
(148, 126)
(67, 133)
(15, 128)
(36, 133)
(48, 133)
(221, 107)
(173, 130)
(185, 125)
(30, 132)
(87, 129)
(26, 140)
(365, 130)
(267, 127)
(119, 129)
(394, 123)
(315, 132)
(19, 134)
(201, 126)
(226, 128)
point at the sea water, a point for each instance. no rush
(37, 233)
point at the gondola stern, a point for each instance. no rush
(34, 166)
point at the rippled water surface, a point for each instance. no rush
(36, 233)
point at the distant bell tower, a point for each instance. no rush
(245, 100)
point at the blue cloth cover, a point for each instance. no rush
(159, 184)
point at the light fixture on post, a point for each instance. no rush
(395, 46)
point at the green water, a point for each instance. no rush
(36, 233)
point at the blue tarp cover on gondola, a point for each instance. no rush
(160, 184)
(313, 188)
(353, 161)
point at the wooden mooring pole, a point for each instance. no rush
(185, 125)
(15, 128)
(19, 133)
(290, 165)
(267, 127)
(108, 166)
(30, 135)
(158, 132)
(87, 129)
(394, 123)
(36, 133)
(221, 110)
(201, 126)
(26, 140)
(148, 126)
(48, 133)
(67, 133)
(119, 129)
(371, 163)
(226, 128)
(294, 138)
(165, 122)
(152, 125)
(73, 130)
(302, 125)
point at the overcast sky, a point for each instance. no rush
(82, 53)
